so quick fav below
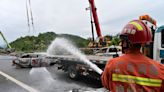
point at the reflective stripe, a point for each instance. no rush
(137, 80)
(139, 27)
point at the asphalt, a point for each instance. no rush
(48, 79)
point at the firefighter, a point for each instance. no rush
(134, 72)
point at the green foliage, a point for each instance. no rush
(76, 40)
(115, 40)
(43, 40)
(109, 37)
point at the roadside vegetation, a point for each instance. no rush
(43, 40)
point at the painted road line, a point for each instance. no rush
(23, 85)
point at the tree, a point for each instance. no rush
(115, 41)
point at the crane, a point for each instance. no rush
(102, 42)
(30, 19)
(95, 17)
(8, 45)
(9, 49)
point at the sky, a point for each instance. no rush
(70, 16)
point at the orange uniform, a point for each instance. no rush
(133, 72)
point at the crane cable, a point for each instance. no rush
(32, 19)
(29, 15)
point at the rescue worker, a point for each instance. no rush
(134, 72)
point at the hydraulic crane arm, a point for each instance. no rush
(95, 17)
(148, 18)
(5, 40)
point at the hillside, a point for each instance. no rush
(43, 40)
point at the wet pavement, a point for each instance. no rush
(49, 80)
(8, 86)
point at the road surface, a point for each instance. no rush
(40, 79)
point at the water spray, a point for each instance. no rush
(65, 45)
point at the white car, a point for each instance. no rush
(109, 51)
(33, 60)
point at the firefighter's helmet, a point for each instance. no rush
(136, 32)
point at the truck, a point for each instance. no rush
(75, 67)
(155, 50)
(158, 49)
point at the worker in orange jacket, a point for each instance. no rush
(134, 72)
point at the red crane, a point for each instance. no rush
(95, 17)
(102, 41)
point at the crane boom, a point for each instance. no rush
(5, 40)
(95, 17)
(148, 18)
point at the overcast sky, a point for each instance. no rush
(70, 16)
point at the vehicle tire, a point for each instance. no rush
(72, 72)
